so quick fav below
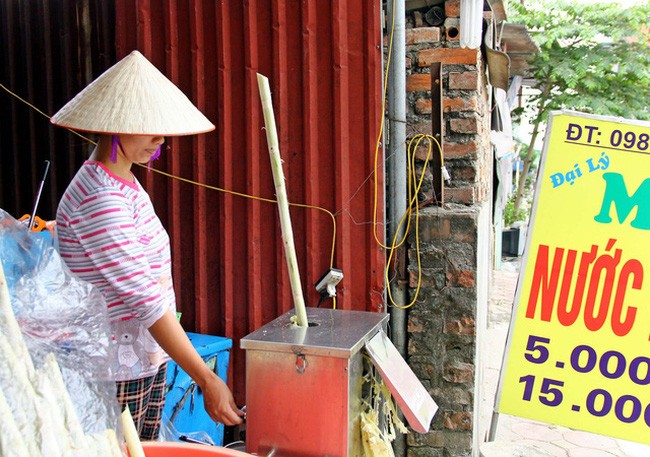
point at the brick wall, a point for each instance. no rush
(445, 324)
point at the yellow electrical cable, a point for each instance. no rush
(253, 197)
(169, 175)
(413, 190)
(381, 131)
(38, 110)
(414, 186)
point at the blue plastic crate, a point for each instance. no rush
(184, 401)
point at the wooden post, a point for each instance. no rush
(437, 130)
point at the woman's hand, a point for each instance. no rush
(218, 399)
(219, 402)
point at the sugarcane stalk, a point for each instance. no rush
(283, 202)
(111, 437)
(9, 326)
(49, 413)
(24, 403)
(12, 443)
(62, 403)
(131, 437)
(28, 407)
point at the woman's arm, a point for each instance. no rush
(219, 402)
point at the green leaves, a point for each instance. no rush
(594, 57)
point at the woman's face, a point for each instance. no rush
(140, 148)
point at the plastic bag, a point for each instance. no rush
(64, 327)
(169, 433)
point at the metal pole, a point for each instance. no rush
(396, 170)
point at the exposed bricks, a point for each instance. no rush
(463, 326)
(452, 8)
(465, 125)
(441, 352)
(426, 280)
(423, 150)
(467, 174)
(439, 230)
(418, 82)
(465, 80)
(464, 236)
(423, 106)
(458, 373)
(442, 327)
(453, 443)
(461, 56)
(460, 104)
(414, 325)
(460, 150)
(461, 278)
(457, 420)
(422, 35)
(415, 128)
(417, 19)
(464, 195)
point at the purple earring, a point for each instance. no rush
(157, 153)
(115, 141)
(154, 157)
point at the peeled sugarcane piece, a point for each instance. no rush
(63, 401)
(20, 395)
(99, 445)
(131, 434)
(52, 388)
(283, 202)
(32, 417)
(76, 443)
(49, 411)
(111, 437)
(11, 440)
(13, 349)
(9, 326)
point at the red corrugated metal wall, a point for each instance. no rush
(324, 62)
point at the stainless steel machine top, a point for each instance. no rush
(331, 332)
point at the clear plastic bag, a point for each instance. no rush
(64, 327)
(169, 433)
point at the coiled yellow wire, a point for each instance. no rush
(413, 186)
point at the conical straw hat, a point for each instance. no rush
(132, 97)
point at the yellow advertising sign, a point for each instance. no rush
(579, 344)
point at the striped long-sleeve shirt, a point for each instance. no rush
(109, 235)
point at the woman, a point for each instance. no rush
(109, 234)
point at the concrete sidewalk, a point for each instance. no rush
(519, 437)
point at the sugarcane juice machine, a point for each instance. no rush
(304, 384)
